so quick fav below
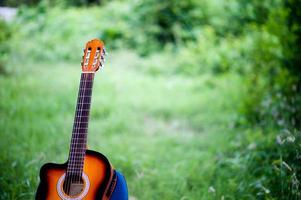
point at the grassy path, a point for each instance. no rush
(162, 131)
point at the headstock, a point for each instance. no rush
(93, 58)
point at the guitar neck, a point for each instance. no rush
(80, 126)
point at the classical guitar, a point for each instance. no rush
(87, 174)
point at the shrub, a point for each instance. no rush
(5, 34)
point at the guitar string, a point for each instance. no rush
(74, 176)
(70, 168)
(80, 140)
(83, 144)
(78, 157)
(83, 136)
(67, 177)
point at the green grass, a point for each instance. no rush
(163, 131)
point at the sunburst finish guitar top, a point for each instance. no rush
(87, 175)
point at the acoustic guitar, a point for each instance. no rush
(87, 175)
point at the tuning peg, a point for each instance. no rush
(101, 65)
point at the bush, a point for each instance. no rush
(274, 86)
(49, 35)
(263, 165)
(209, 53)
(5, 35)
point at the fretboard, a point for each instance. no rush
(80, 126)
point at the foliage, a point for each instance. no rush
(16, 3)
(199, 66)
(45, 28)
(164, 149)
(266, 161)
(5, 34)
(275, 75)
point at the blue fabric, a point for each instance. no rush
(121, 190)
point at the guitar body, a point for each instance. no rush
(96, 167)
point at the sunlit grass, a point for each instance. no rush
(162, 131)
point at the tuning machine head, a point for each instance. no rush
(102, 59)
(93, 58)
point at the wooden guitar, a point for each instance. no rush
(87, 174)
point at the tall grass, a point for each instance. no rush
(210, 110)
(163, 132)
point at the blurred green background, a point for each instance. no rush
(199, 99)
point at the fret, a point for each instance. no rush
(75, 167)
(80, 135)
(80, 126)
(85, 92)
(82, 151)
(77, 154)
(86, 99)
(87, 87)
(83, 112)
(76, 146)
(87, 81)
(74, 171)
(80, 129)
(85, 95)
(73, 158)
(78, 162)
(80, 122)
(73, 163)
(83, 103)
(82, 117)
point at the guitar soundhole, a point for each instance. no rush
(73, 185)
